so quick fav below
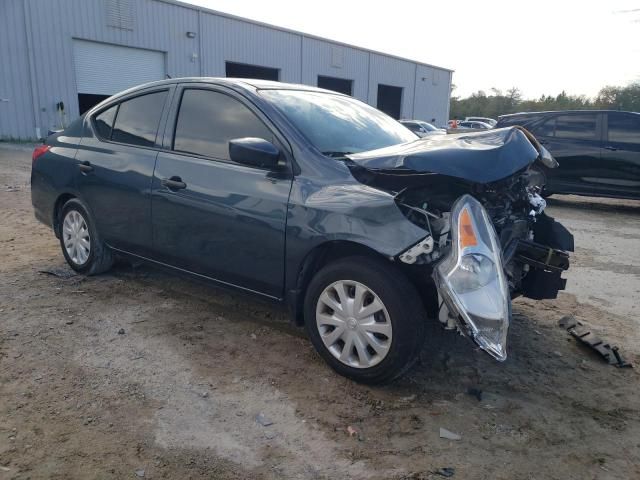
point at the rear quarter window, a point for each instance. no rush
(137, 119)
(103, 122)
(624, 128)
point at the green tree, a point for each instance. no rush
(496, 103)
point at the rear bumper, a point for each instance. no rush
(43, 199)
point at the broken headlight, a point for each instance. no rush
(471, 277)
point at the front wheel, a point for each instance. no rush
(81, 244)
(365, 319)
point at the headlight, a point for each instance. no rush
(471, 278)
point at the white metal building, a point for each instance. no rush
(58, 58)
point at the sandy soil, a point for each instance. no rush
(177, 394)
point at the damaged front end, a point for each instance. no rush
(478, 196)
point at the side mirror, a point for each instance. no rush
(255, 152)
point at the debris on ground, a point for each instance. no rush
(583, 334)
(140, 473)
(475, 392)
(355, 432)
(60, 272)
(408, 399)
(445, 472)
(121, 331)
(263, 420)
(444, 433)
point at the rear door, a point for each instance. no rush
(226, 220)
(575, 141)
(115, 168)
(619, 171)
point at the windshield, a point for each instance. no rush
(428, 127)
(338, 125)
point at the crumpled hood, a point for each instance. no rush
(479, 157)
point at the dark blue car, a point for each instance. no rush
(312, 198)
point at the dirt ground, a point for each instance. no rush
(137, 373)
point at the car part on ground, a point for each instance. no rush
(610, 354)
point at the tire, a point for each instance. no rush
(90, 257)
(399, 325)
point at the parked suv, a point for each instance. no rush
(598, 150)
(314, 199)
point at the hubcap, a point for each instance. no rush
(75, 236)
(354, 324)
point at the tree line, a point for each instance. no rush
(497, 102)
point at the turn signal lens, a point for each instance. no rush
(466, 233)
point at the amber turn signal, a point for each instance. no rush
(467, 234)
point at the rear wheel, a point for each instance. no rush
(81, 244)
(365, 319)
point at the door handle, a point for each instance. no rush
(609, 147)
(85, 167)
(173, 183)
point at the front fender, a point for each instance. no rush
(348, 211)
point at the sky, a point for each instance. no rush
(540, 47)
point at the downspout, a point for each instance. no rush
(369, 77)
(301, 58)
(32, 68)
(415, 85)
(201, 61)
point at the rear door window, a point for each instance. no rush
(579, 127)
(138, 119)
(104, 121)
(207, 120)
(545, 129)
(624, 128)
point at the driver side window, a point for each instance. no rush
(207, 120)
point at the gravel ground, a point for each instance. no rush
(137, 373)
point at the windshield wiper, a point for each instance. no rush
(336, 154)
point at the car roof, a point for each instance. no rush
(547, 112)
(245, 83)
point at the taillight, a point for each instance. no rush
(38, 152)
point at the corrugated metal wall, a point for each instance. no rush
(16, 107)
(34, 84)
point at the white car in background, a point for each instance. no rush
(488, 120)
(474, 125)
(423, 129)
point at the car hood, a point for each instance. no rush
(480, 157)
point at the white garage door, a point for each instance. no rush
(104, 69)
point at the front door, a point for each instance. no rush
(619, 171)
(210, 215)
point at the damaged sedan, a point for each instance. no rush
(315, 200)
